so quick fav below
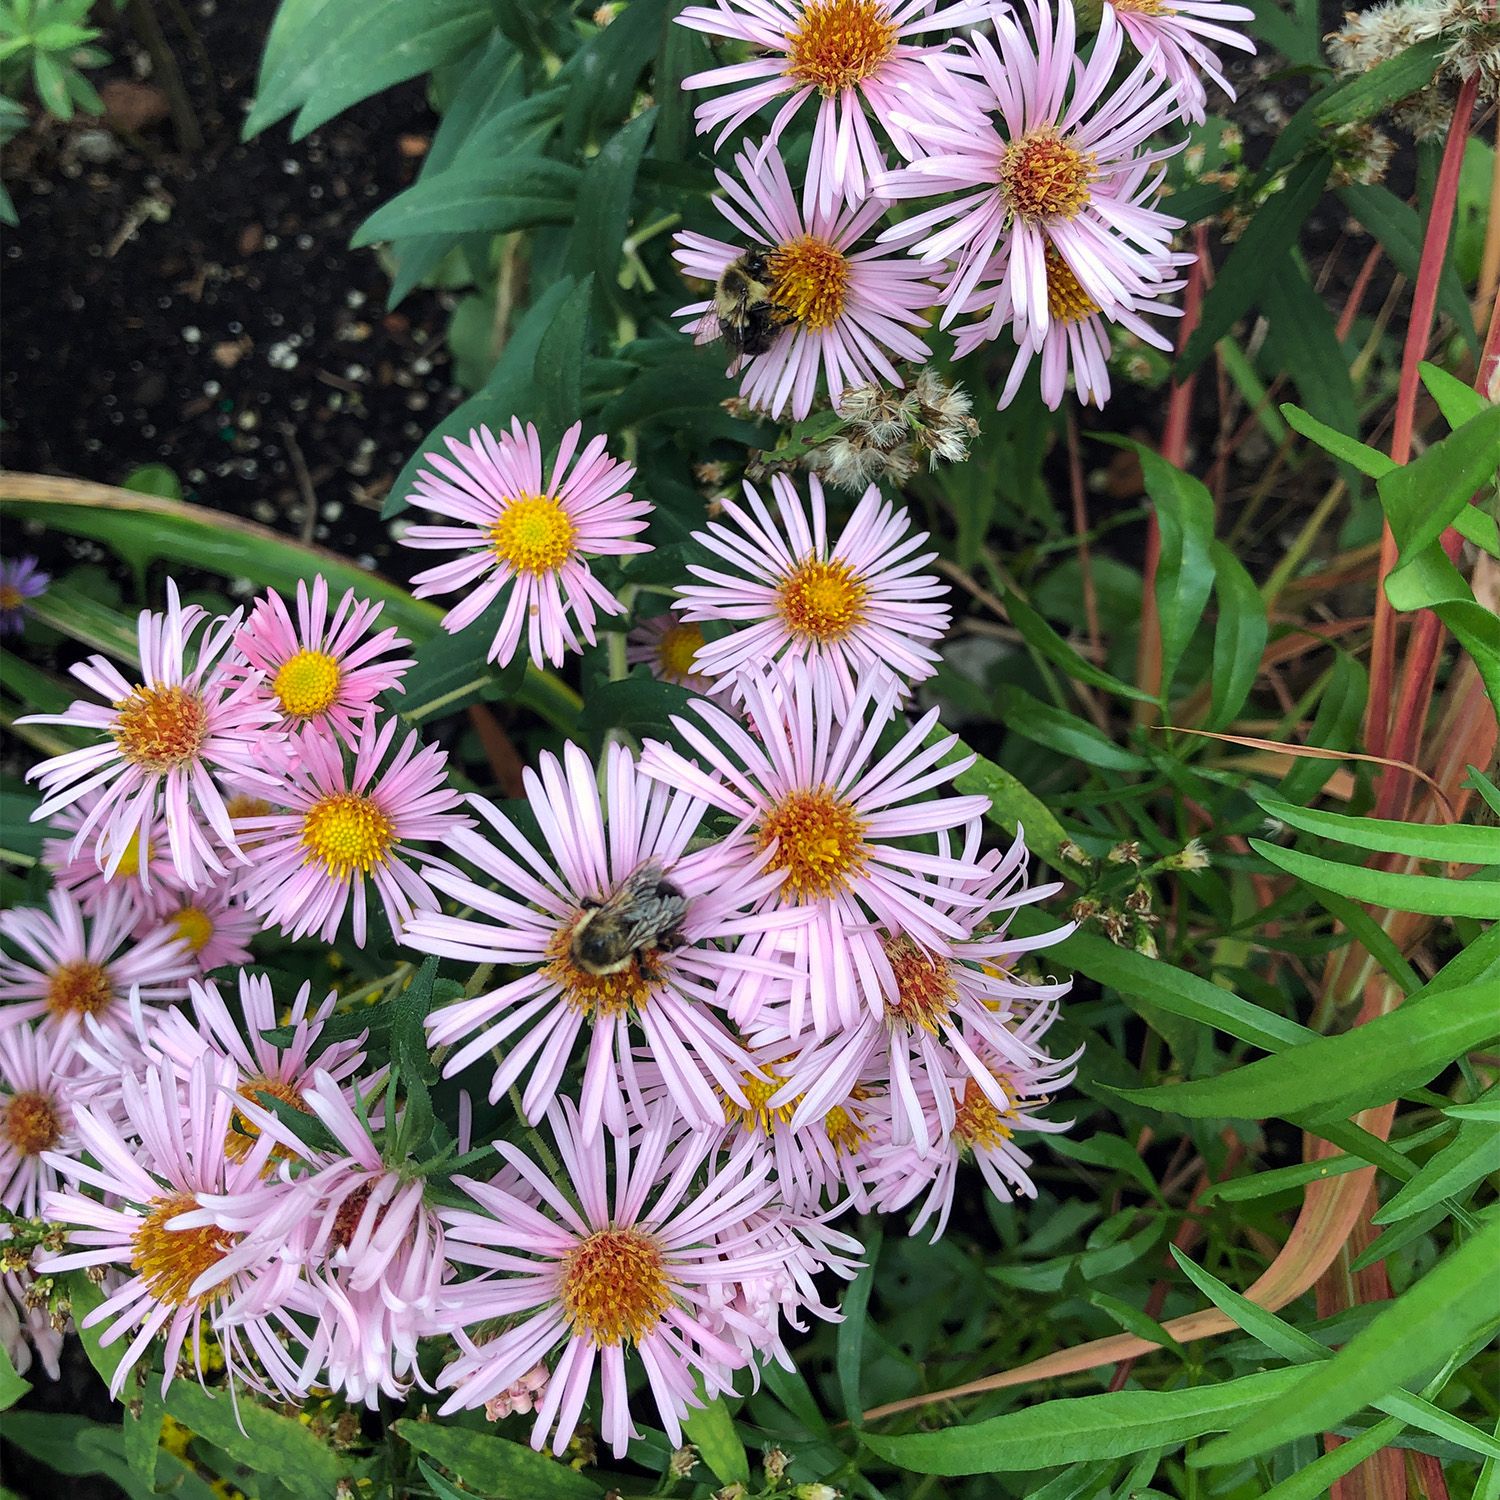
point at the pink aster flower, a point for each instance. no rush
(369, 1248)
(583, 1277)
(668, 647)
(1176, 38)
(1068, 150)
(980, 1129)
(860, 600)
(211, 923)
(530, 536)
(343, 830)
(855, 55)
(25, 1323)
(89, 873)
(841, 822)
(843, 312)
(59, 963)
(178, 1270)
(20, 581)
(162, 740)
(624, 855)
(316, 669)
(37, 1069)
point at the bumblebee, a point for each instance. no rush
(644, 915)
(743, 315)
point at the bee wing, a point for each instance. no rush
(707, 329)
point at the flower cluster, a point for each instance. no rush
(1033, 171)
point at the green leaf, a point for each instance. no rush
(1256, 256)
(1430, 894)
(450, 671)
(1185, 575)
(85, 1297)
(154, 479)
(1280, 1179)
(1375, 90)
(1335, 726)
(1334, 1076)
(1061, 731)
(604, 204)
(1457, 843)
(1041, 637)
(1457, 401)
(1369, 461)
(141, 1435)
(1012, 806)
(1472, 1154)
(850, 1341)
(500, 194)
(1239, 637)
(494, 1466)
(1302, 341)
(1082, 1427)
(12, 1385)
(711, 1430)
(1413, 1335)
(1317, 1479)
(558, 392)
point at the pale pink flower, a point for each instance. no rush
(89, 873)
(585, 1276)
(161, 741)
(980, 1130)
(58, 963)
(668, 647)
(533, 904)
(853, 55)
(859, 601)
(528, 536)
(38, 1068)
(845, 312)
(319, 670)
(342, 830)
(1061, 166)
(521, 1396)
(25, 1323)
(1175, 39)
(842, 823)
(177, 1270)
(211, 923)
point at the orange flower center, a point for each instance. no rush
(241, 1141)
(614, 1286)
(822, 601)
(11, 597)
(160, 728)
(79, 988)
(675, 651)
(821, 843)
(1067, 301)
(243, 805)
(534, 534)
(1044, 176)
(171, 1260)
(30, 1123)
(347, 832)
(809, 281)
(839, 43)
(925, 990)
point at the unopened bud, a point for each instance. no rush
(735, 1491)
(775, 1464)
(816, 1492)
(1145, 942)
(683, 1461)
(1192, 856)
(1073, 853)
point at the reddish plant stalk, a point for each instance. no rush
(1418, 331)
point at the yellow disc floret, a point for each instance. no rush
(306, 684)
(29, 1122)
(1044, 176)
(1067, 301)
(822, 601)
(675, 651)
(534, 534)
(839, 43)
(820, 843)
(614, 1286)
(79, 988)
(809, 281)
(347, 832)
(171, 1260)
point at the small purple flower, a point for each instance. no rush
(20, 580)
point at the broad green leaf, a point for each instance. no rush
(1013, 807)
(1082, 1427)
(710, 1429)
(1063, 732)
(1341, 1074)
(850, 1343)
(85, 1297)
(1185, 574)
(498, 195)
(494, 1466)
(1239, 636)
(1351, 451)
(603, 211)
(1434, 895)
(1372, 92)
(141, 1433)
(1458, 843)
(12, 1385)
(1449, 1306)
(450, 672)
(1472, 1154)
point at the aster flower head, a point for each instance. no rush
(163, 739)
(20, 580)
(852, 55)
(840, 823)
(344, 829)
(38, 1065)
(141, 873)
(1068, 148)
(316, 669)
(58, 963)
(176, 1269)
(211, 923)
(25, 1322)
(1178, 39)
(613, 1268)
(527, 537)
(859, 601)
(844, 313)
(619, 857)
(668, 648)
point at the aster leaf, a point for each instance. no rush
(1433, 895)
(1472, 1154)
(12, 1385)
(495, 1466)
(1239, 635)
(1456, 843)
(711, 1430)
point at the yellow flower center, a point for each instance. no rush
(79, 988)
(240, 1141)
(30, 1123)
(534, 534)
(675, 651)
(925, 991)
(130, 861)
(243, 805)
(1145, 7)
(171, 1260)
(977, 1123)
(821, 843)
(347, 832)
(193, 926)
(306, 684)
(1044, 176)
(844, 1123)
(599, 996)
(809, 281)
(160, 728)
(839, 43)
(755, 1115)
(614, 1286)
(11, 597)
(1067, 301)
(822, 601)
